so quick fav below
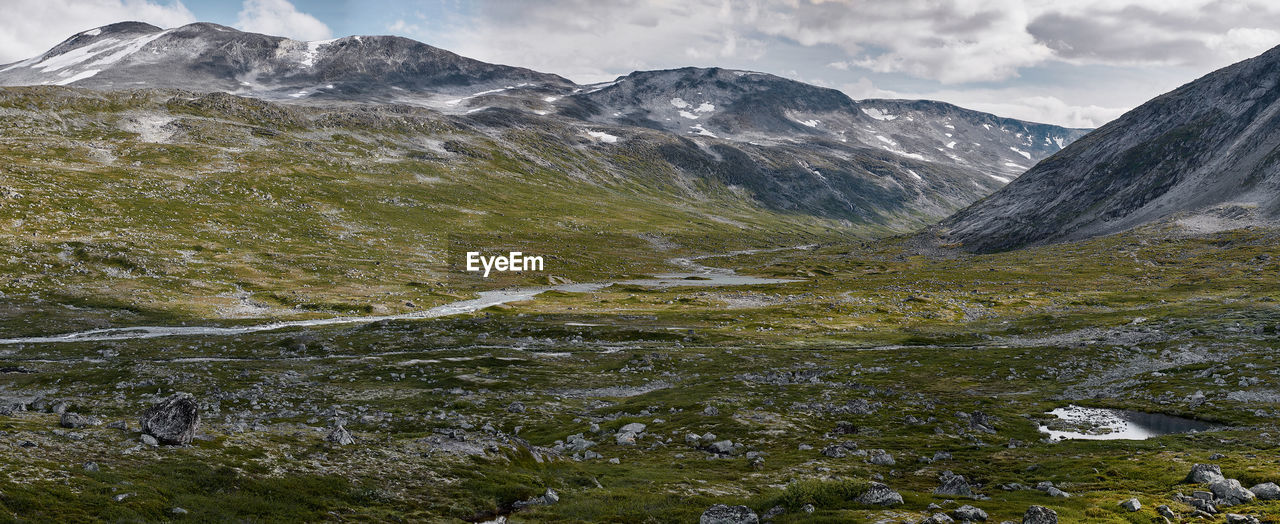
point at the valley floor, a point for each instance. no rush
(878, 365)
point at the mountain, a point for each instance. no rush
(211, 57)
(1206, 155)
(749, 106)
(787, 146)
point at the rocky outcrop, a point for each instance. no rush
(173, 421)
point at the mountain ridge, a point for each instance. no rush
(1203, 155)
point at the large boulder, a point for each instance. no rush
(953, 485)
(1204, 474)
(722, 514)
(1229, 492)
(173, 421)
(1266, 491)
(879, 495)
(1039, 515)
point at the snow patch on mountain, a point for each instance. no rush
(878, 114)
(603, 137)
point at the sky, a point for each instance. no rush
(1076, 63)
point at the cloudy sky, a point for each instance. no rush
(1077, 63)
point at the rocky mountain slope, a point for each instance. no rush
(748, 106)
(1206, 155)
(793, 147)
(211, 57)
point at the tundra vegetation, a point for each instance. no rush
(885, 383)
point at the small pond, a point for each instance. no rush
(1081, 423)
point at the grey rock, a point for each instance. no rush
(1233, 518)
(1229, 492)
(91, 467)
(149, 440)
(723, 514)
(122, 496)
(178, 511)
(1204, 473)
(710, 411)
(339, 435)
(516, 407)
(1039, 515)
(967, 512)
(1055, 492)
(173, 421)
(840, 450)
(723, 447)
(879, 495)
(546, 499)
(1131, 504)
(1166, 512)
(953, 485)
(76, 420)
(937, 518)
(1266, 491)
(881, 457)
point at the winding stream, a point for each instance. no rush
(695, 275)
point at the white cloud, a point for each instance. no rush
(951, 42)
(280, 18)
(591, 41)
(30, 27)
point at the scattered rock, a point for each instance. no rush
(881, 457)
(77, 421)
(149, 440)
(1131, 504)
(937, 518)
(173, 421)
(91, 467)
(546, 499)
(723, 447)
(122, 496)
(1055, 492)
(178, 511)
(627, 435)
(879, 495)
(967, 512)
(840, 450)
(953, 485)
(516, 407)
(722, 514)
(340, 436)
(1166, 512)
(1233, 518)
(710, 411)
(1039, 515)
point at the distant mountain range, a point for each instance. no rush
(792, 146)
(1205, 156)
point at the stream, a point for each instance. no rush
(694, 275)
